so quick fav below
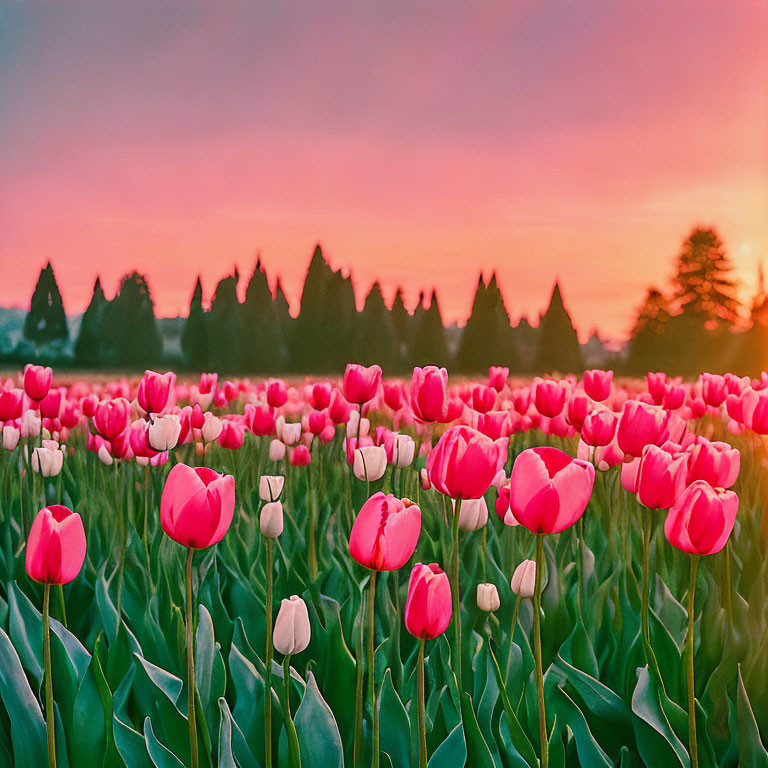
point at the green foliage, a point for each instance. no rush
(557, 344)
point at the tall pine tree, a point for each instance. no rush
(262, 350)
(375, 335)
(89, 347)
(557, 344)
(194, 337)
(46, 321)
(428, 346)
(225, 327)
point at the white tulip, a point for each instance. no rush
(370, 462)
(473, 514)
(404, 451)
(488, 597)
(47, 460)
(271, 519)
(11, 437)
(276, 450)
(163, 432)
(270, 487)
(524, 579)
(292, 630)
(212, 427)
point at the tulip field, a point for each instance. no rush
(490, 573)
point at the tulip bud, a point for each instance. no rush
(56, 546)
(290, 433)
(292, 630)
(473, 514)
(488, 597)
(212, 427)
(31, 424)
(524, 579)
(271, 519)
(11, 436)
(270, 487)
(404, 450)
(354, 419)
(424, 477)
(276, 450)
(370, 462)
(428, 608)
(105, 457)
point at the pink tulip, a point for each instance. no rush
(702, 519)
(464, 462)
(599, 427)
(483, 398)
(197, 505)
(597, 384)
(385, 532)
(56, 546)
(717, 463)
(549, 490)
(321, 396)
(428, 393)
(660, 477)
(713, 389)
(640, 425)
(428, 608)
(37, 381)
(497, 377)
(155, 391)
(300, 456)
(361, 384)
(629, 471)
(657, 386)
(277, 393)
(112, 417)
(11, 404)
(549, 397)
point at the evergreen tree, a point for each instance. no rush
(46, 321)
(262, 342)
(225, 327)
(130, 331)
(401, 321)
(428, 346)
(375, 336)
(557, 346)
(89, 347)
(703, 283)
(475, 332)
(194, 337)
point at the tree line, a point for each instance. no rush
(696, 325)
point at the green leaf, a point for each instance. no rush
(319, 737)
(452, 752)
(30, 749)
(752, 753)
(161, 756)
(591, 754)
(394, 726)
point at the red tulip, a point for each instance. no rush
(641, 424)
(37, 381)
(232, 435)
(394, 394)
(197, 505)
(464, 462)
(321, 396)
(549, 490)
(56, 546)
(385, 532)
(702, 519)
(208, 383)
(713, 389)
(428, 393)
(579, 407)
(657, 386)
(660, 477)
(155, 391)
(754, 406)
(300, 456)
(428, 608)
(260, 419)
(597, 384)
(360, 384)
(339, 409)
(112, 417)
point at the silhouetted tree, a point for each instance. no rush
(46, 321)
(557, 344)
(194, 337)
(401, 321)
(703, 283)
(130, 330)
(89, 347)
(428, 345)
(225, 327)
(375, 337)
(262, 350)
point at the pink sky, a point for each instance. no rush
(543, 139)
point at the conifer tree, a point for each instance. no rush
(428, 346)
(557, 344)
(130, 331)
(194, 337)
(375, 336)
(262, 340)
(225, 327)
(46, 321)
(89, 347)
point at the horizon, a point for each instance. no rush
(418, 147)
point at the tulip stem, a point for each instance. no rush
(692, 745)
(580, 563)
(268, 684)
(371, 667)
(191, 665)
(293, 741)
(512, 629)
(358, 737)
(537, 651)
(420, 694)
(145, 536)
(49, 713)
(727, 590)
(644, 596)
(313, 570)
(455, 593)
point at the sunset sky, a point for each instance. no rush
(418, 142)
